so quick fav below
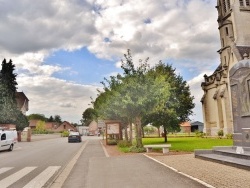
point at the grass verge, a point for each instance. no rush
(187, 144)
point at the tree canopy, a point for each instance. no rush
(179, 105)
(9, 112)
(133, 95)
(37, 117)
(143, 94)
(88, 116)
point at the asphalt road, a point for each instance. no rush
(35, 164)
(94, 170)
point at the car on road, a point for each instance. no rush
(74, 137)
(7, 139)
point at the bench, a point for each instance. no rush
(165, 147)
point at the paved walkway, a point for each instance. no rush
(93, 169)
(217, 175)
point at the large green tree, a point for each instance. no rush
(178, 107)
(145, 95)
(135, 94)
(8, 106)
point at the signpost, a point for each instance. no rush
(113, 131)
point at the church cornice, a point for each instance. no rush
(216, 77)
(222, 49)
(223, 18)
(243, 8)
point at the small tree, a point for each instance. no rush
(40, 127)
(220, 133)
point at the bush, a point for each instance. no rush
(112, 142)
(124, 144)
(40, 131)
(200, 134)
(229, 136)
(135, 149)
(220, 133)
(65, 134)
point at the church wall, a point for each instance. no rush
(241, 19)
(209, 105)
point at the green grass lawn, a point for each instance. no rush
(189, 143)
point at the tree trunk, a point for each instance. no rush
(159, 133)
(126, 132)
(139, 131)
(165, 134)
(130, 132)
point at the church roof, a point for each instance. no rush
(243, 50)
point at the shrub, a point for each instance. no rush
(39, 131)
(40, 128)
(112, 142)
(65, 134)
(200, 134)
(229, 136)
(124, 143)
(135, 149)
(220, 133)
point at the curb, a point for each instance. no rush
(60, 179)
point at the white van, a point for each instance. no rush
(7, 139)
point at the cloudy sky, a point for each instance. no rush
(63, 49)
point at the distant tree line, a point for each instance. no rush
(43, 118)
(56, 118)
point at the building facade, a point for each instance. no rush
(234, 29)
(22, 102)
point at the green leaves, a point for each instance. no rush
(8, 107)
(143, 92)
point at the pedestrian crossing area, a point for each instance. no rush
(37, 182)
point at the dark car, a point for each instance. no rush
(74, 137)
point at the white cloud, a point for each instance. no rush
(50, 96)
(183, 31)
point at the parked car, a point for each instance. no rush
(7, 139)
(74, 137)
(91, 134)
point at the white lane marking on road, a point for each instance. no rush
(5, 169)
(42, 178)
(15, 177)
(104, 149)
(191, 177)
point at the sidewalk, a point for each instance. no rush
(214, 174)
(217, 175)
(94, 169)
